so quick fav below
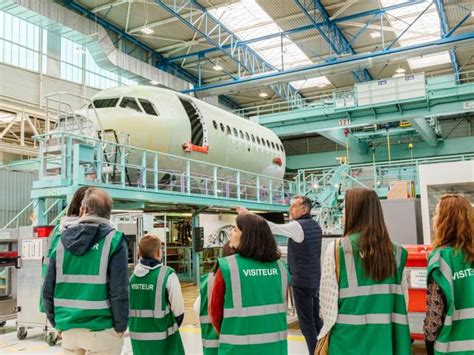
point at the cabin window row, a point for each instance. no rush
(246, 136)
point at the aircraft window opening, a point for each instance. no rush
(103, 103)
(258, 139)
(282, 147)
(130, 103)
(235, 132)
(253, 138)
(273, 145)
(247, 136)
(229, 131)
(268, 143)
(264, 143)
(214, 123)
(222, 127)
(148, 107)
(241, 134)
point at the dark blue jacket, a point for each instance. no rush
(304, 259)
(78, 240)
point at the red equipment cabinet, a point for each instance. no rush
(417, 268)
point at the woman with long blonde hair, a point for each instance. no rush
(449, 319)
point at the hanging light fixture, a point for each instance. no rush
(263, 94)
(400, 70)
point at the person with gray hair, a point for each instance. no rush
(85, 291)
(304, 262)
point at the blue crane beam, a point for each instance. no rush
(316, 13)
(376, 13)
(217, 34)
(343, 63)
(443, 21)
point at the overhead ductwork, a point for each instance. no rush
(75, 27)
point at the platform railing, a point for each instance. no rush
(344, 98)
(377, 176)
(86, 160)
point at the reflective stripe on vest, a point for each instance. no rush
(457, 314)
(454, 346)
(80, 304)
(354, 290)
(238, 310)
(101, 278)
(252, 339)
(210, 282)
(210, 343)
(154, 335)
(365, 319)
(157, 311)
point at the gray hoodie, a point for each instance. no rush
(78, 236)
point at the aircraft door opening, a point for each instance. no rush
(199, 136)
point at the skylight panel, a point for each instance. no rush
(320, 82)
(426, 28)
(248, 20)
(429, 60)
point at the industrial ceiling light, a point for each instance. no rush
(263, 94)
(400, 70)
(147, 30)
(217, 67)
(375, 34)
(154, 82)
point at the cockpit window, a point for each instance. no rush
(130, 103)
(148, 107)
(103, 103)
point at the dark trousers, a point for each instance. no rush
(307, 308)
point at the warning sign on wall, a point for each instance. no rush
(31, 249)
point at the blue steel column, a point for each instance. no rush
(316, 13)
(443, 21)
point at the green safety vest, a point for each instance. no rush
(372, 317)
(448, 268)
(152, 325)
(55, 236)
(81, 292)
(255, 307)
(210, 339)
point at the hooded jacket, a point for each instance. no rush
(78, 238)
(173, 296)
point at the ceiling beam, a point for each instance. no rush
(342, 64)
(109, 5)
(343, 9)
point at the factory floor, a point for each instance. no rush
(190, 333)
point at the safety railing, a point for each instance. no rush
(85, 160)
(378, 176)
(345, 98)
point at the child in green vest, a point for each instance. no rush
(156, 303)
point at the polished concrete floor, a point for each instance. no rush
(190, 332)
